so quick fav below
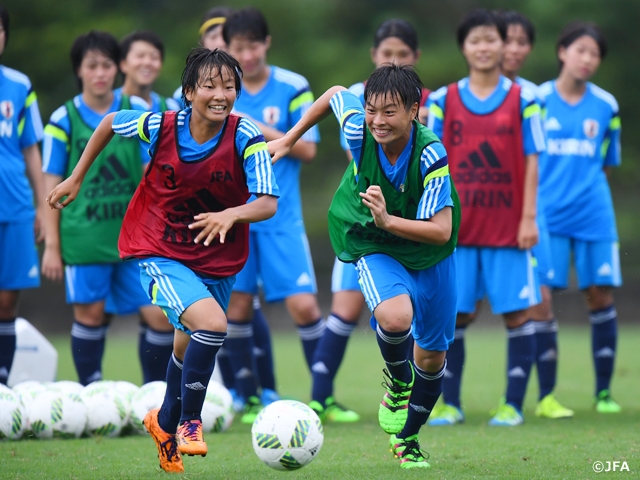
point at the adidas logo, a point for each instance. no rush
(419, 408)
(4, 373)
(244, 373)
(524, 293)
(33, 272)
(95, 376)
(517, 372)
(258, 352)
(605, 352)
(548, 356)
(605, 270)
(303, 280)
(475, 170)
(195, 386)
(320, 367)
(448, 374)
(106, 174)
(552, 124)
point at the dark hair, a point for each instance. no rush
(396, 28)
(141, 36)
(215, 12)
(480, 17)
(400, 82)
(102, 42)
(577, 29)
(202, 62)
(516, 18)
(4, 18)
(248, 22)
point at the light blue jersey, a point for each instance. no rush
(20, 128)
(280, 104)
(582, 139)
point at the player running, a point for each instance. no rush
(187, 226)
(21, 225)
(491, 129)
(583, 130)
(404, 259)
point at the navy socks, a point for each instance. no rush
(155, 348)
(546, 355)
(394, 348)
(239, 349)
(310, 336)
(263, 350)
(7, 347)
(87, 349)
(604, 335)
(424, 395)
(521, 351)
(452, 378)
(169, 414)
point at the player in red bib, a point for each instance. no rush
(187, 226)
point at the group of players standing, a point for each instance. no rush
(520, 222)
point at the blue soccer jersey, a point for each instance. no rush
(582, 139)
(250, 144)
(434, 168)
(280, 104)
(20, 127)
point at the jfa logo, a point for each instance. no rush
(590, 127)
(271, 115)
(6, 109)
(615, 466)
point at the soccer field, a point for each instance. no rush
(537, 449)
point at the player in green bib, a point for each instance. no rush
(395, 215)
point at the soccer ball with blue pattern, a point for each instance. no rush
(287, 435)
(13, 417)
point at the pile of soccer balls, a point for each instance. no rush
(105, 408)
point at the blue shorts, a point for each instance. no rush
(432, 292)
(507, 276)
(117, 283)
(596, 263)
(19, 267)
(280, 262)
(174, 287)
(542, 254)
(344, 277)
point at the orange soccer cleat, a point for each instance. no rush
(168, 453)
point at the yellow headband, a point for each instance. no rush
(210, 23)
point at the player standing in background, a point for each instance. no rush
(520, 40)
(491, 129)
(395, 41)
(20, 224)
(583, 130)
(187, 226)
(396, 214)
(84, 236)
(279, 258)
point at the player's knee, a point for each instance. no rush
(428, 360)
(599, 297)
(464, 319)
(155, 318)
(8, 304)
(303, 308)
(516, 319)
(240, 306)
(91, 314)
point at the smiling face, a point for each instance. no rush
(483, 48)
(98, 73)
(142, 64)
(214, 96)
(251, 54)
(393, 50)
(516, 50)
(581, 59)
(389, 121)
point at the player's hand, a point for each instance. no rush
(38, 225)
(374, 199)
(278, 148)
(527, 233)
(69, 188)
(52, 267)
(212, 224)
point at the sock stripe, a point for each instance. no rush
(215, 339)
(458, 333)
(88, 333)
(340, 327)
(395, 364)
(176, 362)
(430, 376)
(8, 328)
(393, 340)
(154, 337)
(521, 331)
(601, 316)
(239, 330)
(312, 332)
(549, 326)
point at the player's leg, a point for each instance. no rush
(263, 353)
(8, 307)
(598, 270)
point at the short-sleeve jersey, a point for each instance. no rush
(20, 127)
(280, 104)
(582, 139)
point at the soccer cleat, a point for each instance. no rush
(445, 415)
(393, 410)
(408, 451)
(251, 410)
(168, 453)
(549, 407)
(190, 440)
(319, 409)
(269, 396)
(606, 404)
(506, 416)
(335, 412)
(237, 401)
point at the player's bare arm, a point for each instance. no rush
(33, 161)
(52, 266)
(528, 229)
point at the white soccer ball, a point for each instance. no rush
(148, 397)
(287, 435)
(217, 411)
(55, 414)
(66, 386)
(13, 417)
(27, 391)
(126, 390)
(106, 410)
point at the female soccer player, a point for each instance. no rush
(404, 259)
(395, 41)
(583, 144)
(20, 223)
(187, 226)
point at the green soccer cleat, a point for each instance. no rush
(251, 410)
(407, 450)
(393, 410)
(319, 409)
(335, 412)
(606, 404)
(445, 415)
(507, 416)
(549, 407)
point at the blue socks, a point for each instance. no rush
(546, 355)
(310, 336)
(154, 349)
(169, 414)
(226, 372)
(239, 348)
(87, 349)
(452, 378)
(394, 348)
(328, 356)
(262, 350)
(424, 395)
(7, 347)
(199, 360)
(604, 334)
(521, 352)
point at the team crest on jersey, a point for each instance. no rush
(590, 127)
(6, 109)
(271, 115)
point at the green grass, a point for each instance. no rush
(538, 449)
